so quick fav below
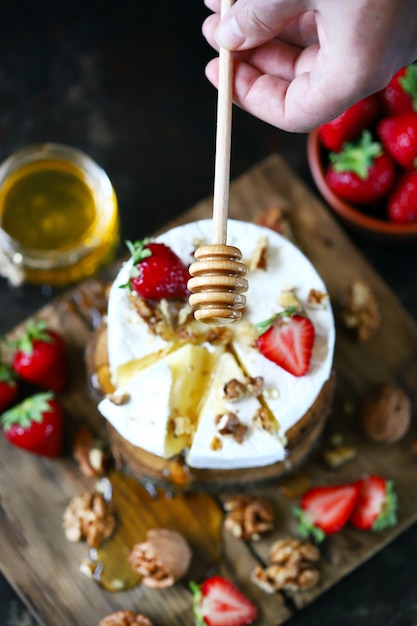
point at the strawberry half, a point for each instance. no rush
(402, 202)
(361, 173)
(399, 137)
(8, 386)
(376, 507)
(35, 425)
(157, 272)
(325, 510)
(400, 95)
(41, 358)
(217, 602)
(287, 339)
(350, 124)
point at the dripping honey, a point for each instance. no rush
(197, 516)
(58, 214)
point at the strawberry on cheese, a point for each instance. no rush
(287, 339)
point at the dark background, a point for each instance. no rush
(124, 82)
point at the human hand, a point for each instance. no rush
(300, 63)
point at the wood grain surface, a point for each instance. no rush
(44, 567)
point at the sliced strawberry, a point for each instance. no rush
(217, 602)
(35, 425)
(349, 125)
(376, 507)
(287, 339)
(8, 386)
(402, 202)
(398, 134)
(361, 173)
(41, 358)
(400, 95)
(325, 510)
(157, 272)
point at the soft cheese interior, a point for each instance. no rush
(174, 389)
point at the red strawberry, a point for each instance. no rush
(8, 386)
(399, 137)
(376, 506)
(402, 202)
(400, 95)
(287, 339)
(40, 357)
(325, 510)
(35, 425)
(350, 123)
(157, 272)
(217, 602)
(362, 173)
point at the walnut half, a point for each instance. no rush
(229, 424)
(360, 311)
(125, 618)
(293, 567)
(248, 517)
(162, 559)
(89, 516)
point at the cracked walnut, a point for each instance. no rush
(162, 559)
(248, 517)
(293, 567)
(125, 618)
(89, 516)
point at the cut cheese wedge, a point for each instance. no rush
(210, 448)
(158, 404)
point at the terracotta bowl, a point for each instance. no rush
(368, 223)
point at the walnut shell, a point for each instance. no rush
(162, 559)
(385, 413)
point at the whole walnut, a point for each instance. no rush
(385, 413)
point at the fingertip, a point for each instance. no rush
(214, 5)
(208, 27)
(228, 33)
(212, 71)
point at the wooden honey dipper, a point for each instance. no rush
(218, 275)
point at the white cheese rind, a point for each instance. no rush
(287, 396)
(128, 336)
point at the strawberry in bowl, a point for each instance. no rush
(370, 183)
(361, 172)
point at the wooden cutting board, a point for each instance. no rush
(44, 567)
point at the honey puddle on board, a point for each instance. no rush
(197, 516)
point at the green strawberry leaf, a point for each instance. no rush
(409, 83)
(138, 252)
(306, 526)
(263, 326)
(197, 598)
(36, 330)
(388, 515)
(357, 157)
(7, 375)
(30, 410)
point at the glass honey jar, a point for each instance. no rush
(58, 214)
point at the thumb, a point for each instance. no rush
(250, 23)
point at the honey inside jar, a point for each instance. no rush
(58, 214)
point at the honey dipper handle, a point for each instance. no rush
(223, 141)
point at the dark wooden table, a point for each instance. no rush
(124, 81)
